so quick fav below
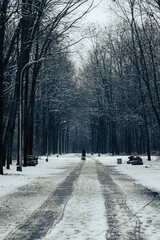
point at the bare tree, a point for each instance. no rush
(34, 28)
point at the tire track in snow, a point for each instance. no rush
(38, 224)
(84, 216)
(123, 224)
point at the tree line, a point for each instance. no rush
(34, 61)
(122, 75)
(111, 104)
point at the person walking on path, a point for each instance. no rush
(83, 154)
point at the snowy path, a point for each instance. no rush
(141, 203)
(84, 217)
(37, 225)
(123, 224)
(80, 200)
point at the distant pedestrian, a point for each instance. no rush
(83, 154)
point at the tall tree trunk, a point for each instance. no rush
(8, 138)
(3, 11)
(115, 148)
(31, 108)
(1, 108)
(144, 67)
(26, 118)
(1, 111)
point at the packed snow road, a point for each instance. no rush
(86, 200)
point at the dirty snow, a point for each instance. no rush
(13, 179)
(84, 218)
(147, 174)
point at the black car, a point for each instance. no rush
(135, 160)
(131, 159)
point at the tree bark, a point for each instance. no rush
(3, 12)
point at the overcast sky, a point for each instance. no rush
(102, 13)
(99, 16)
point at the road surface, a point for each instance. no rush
(91, 201)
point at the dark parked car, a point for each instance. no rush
(135, 160)
(131, 159)
(32, 160)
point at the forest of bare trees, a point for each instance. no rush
(34, 61)
(123, 73)
(110, 105)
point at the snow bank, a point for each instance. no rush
(12, 179)
(146, 174)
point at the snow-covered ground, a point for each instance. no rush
(13, 179)
(147, 174)
(91, 209)
(84, 215)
